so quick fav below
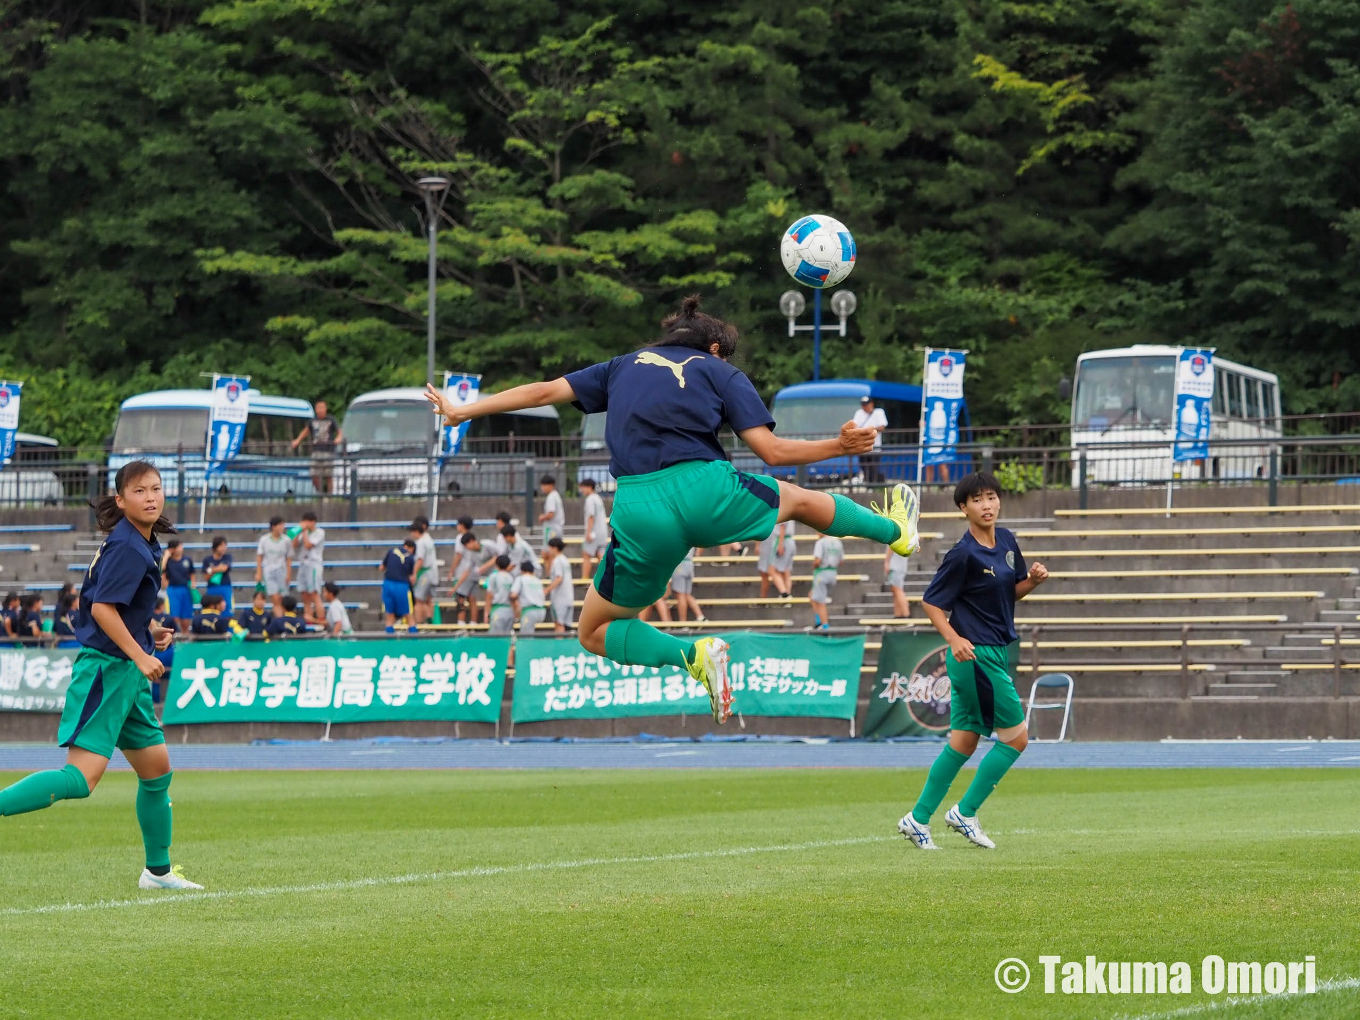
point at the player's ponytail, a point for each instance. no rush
(697, 330)
(107, 512)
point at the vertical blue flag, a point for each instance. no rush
(9, 418)
(461, 389)
(1194, 400)
(227, 420)
(942, 406)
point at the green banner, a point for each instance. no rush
(911, 696)
(771, 675)
(338, 681)
(35, 679)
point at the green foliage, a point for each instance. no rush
(1017, 478)
(230, 186)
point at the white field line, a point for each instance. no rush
(480, 871)
(1346, 984)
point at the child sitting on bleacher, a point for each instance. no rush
(30, 617)
(64, 622)
(209, 619)
(256, 616)
(287, 623)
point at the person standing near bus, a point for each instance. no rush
(870, 417)
(326, 437)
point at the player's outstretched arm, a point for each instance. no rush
(779, 452)
(517, 398)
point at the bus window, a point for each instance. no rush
(1220, 393)
(814, 416)
(271, 435)
(1234, 394)
(168, 428)
(1272, 403)
(1134, 390)
(1253, 401)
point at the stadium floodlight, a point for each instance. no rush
(844, 303)
(791, 305)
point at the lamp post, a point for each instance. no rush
(432, 188)
(791, 305)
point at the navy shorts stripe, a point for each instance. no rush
(606, 584)
(87, 710)
(985, 695)
(767, 495)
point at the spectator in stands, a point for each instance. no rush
(518, 548)
(827, 554)
(561, 589)
(309, 549)
(326, 437)
(526, 599)
(682, 584)
(210, 618)
(10, 614)
(287, 623)
(554, 515)
(500, 614)
(30, 616)
(397, 568)
(426, 570)
(177, 571)
(596, 538)
(895, 569)
(337, 616)
(64, 621)
(781, 560)
(661, 607)
(273, 562)
(870, 417)
(217, 572)
(498, 543)
(467, 568)
(254, 618)
(165, 656)
(765, 565)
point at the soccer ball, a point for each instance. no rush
(818, 251)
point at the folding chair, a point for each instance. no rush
(1050, 680)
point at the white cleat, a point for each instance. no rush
(174, 880)
(968, 828)
(710, 669)
(917, 833)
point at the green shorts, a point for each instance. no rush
(982, 693)
(658, 517)
(108, 705)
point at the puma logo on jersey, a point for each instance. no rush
(677, 370)
(989, 570)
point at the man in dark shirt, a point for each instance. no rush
(289, 624)
(978, 584)
(326, 437)
(209, 619)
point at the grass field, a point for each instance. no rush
(674, 894)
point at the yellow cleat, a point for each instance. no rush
(710, 669)
(904, 509)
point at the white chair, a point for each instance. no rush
(1050, 681)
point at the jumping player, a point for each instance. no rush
(978, 584)
(108, 703)
(676, 489)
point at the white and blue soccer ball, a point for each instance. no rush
(818, 251)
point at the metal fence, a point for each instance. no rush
(507, 466)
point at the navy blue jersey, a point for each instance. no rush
(210, 622)
(31, 623)
(178, 571)
(286, 625)
(164, 619)
(11, 618)
(212, 564)
(666, 405)
(976, 586)
(64, 626)
(253, 622)
(125, 572)
(398, 564)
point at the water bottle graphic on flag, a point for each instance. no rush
(9, 418)
(227, 422)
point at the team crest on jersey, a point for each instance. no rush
(1010, 558)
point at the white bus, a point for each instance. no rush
(1127, 395)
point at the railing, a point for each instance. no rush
(74, 477)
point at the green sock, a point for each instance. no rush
(993, 766)
(43, 789)
(941, 774)
(153, 815)
(853, 520)
(635, 643)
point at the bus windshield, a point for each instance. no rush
(809, 416)
(166, 428)
(398, 424)
(592, 431)
(1124, 391)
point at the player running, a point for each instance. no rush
(978, 584)
(676, 488)
(108, 703)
